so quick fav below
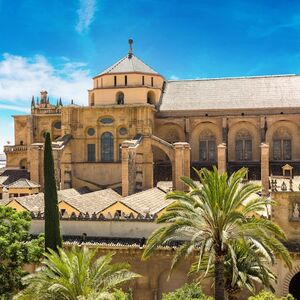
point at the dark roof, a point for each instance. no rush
(129, 65)
(232, 93)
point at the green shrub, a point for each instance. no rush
(187, 292)
(265, 295)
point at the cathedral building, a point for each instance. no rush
(139, 128)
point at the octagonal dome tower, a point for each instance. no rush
(129, 81)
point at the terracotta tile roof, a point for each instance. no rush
(129, 65)
(150, 201)
(232, 93)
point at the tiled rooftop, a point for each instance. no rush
(232, 93)
(94, 202)
(129, 65)
(150, 201)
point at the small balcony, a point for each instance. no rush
(15, 148)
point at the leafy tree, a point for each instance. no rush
(53, 238)
(265, 295)
(187, 292)
(211, 218)
(17, 248)
(75, 274)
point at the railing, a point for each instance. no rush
(15, 148)
(284, 184)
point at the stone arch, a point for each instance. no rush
(287, 280)
(164, 146)
(241, 127)
(171, 132)
(23, 163)
(151, 97)
(200, 130)
(292, 129)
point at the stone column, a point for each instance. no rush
(222, 158)
(128, 168)
(263, 129)
(264, 164)
(147, 164)
(224, 129)
(181, 164)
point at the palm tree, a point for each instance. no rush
(250, 267)
(75, 274)
(211, 218)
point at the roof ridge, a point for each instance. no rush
(114, 65)
(145, 63)
(138, 193)
(230, 78)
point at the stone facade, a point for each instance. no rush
(131, 102)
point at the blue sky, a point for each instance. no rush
(59, 45)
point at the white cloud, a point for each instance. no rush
(85, 14)
(174, 77)
(21, 77)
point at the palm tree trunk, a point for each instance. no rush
(219, 278)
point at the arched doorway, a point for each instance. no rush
(294, 286)
(162, 166)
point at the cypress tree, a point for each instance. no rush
(52, 229)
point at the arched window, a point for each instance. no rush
(243, 145)
(23, 163)
(107, 147)
(120, 98)
(150, 97)
(282, 145)
(207, 146)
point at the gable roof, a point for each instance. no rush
(282, 91)
(33, 203)
(94, 202)
(129, 64)
(12, 175)
(149, 201)
(23, 183)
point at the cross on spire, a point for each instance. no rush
(130, 42)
